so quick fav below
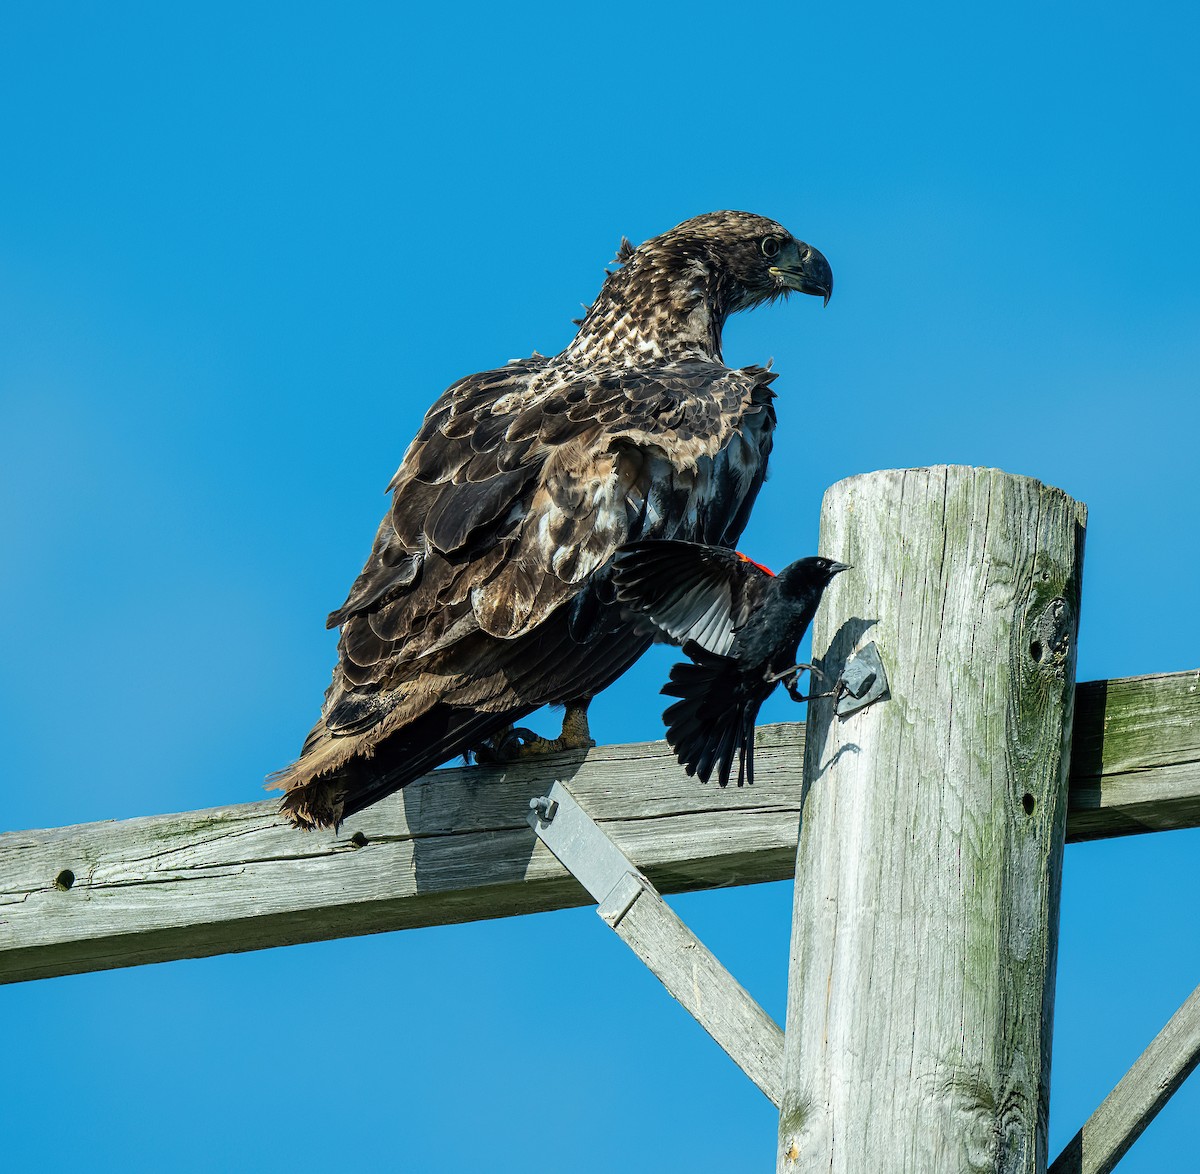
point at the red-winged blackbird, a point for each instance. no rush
(740, 625)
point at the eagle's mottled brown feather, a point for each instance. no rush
(487, 592)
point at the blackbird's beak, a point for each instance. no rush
(804, 269)
(838, 568)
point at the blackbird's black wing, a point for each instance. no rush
(688, 591)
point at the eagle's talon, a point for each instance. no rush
(534, 744)
(501, 748)
(530, 742)
(516, 742)
(575, 735)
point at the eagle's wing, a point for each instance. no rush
(520, 484)
(689, 592)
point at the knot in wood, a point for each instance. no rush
(1050, 634)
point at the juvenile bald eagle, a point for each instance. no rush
(488, 592)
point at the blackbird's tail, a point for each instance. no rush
(714, 718)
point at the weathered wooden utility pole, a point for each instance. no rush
(928, 871)
(928, 865)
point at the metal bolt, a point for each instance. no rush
(545, 808)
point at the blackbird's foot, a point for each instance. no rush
(795, 694)
(794, 672)
(791, 680)
(837, 692)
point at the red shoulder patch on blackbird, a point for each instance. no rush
(747, 559)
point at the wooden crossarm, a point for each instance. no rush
(455, 847)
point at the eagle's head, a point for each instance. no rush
(753, 259)
(671, 295)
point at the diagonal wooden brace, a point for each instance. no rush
(1152, 1081)
(633, 908)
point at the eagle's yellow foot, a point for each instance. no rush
(575, 735)
(513, 742)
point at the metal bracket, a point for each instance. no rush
(863, 681)
(636, 912)
(576, 839)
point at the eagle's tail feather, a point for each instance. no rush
(337, 777)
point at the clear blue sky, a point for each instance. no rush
(242, 248)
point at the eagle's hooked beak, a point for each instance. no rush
(803, 268)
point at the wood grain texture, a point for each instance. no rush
(455, 846)
(928, 871)
(1122, 1116)
(1135, 756)
(452, 847)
